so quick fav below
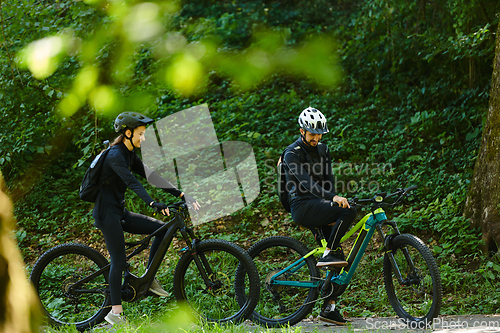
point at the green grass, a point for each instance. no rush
(178, 320)
(466, 290)
(469, 283)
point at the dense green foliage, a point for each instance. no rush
(408, 110)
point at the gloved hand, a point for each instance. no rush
(191, 201)
(160, 207)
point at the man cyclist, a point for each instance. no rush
(312, 197)
(110, 214)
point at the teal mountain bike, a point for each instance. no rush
(291, 283)
(71, 280)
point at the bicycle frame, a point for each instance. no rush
(136, 287)
(369, 223)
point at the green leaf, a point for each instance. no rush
(489, 275)
(415, 118)
(414, 158)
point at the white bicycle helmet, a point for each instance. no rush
(312, 120)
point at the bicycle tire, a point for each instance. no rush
(219, 302)
(418, 301)
(271, 255)
(56, 270)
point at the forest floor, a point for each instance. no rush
(442, 324)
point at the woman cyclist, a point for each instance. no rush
(110, 214)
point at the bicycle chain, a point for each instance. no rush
(109, 306)
(101, 308)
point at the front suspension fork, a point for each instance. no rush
(388, 250)
(200, 260)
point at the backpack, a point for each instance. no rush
(281, 187)
(90, 186)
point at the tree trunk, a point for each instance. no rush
(483, 201)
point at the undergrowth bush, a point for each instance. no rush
(409, 111)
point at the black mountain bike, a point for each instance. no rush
(291, 283)
(71, 280)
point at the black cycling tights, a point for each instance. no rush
(113, 229)
(333, 220)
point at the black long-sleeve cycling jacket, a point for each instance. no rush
(116, 176)
(308, 173)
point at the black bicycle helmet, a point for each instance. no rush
(131, 120)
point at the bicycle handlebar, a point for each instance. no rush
(178, 206)
(379, 198)
(411, 188)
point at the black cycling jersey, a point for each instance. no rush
(309, 174)
(113, 219)
(313, 190)
(117, 175)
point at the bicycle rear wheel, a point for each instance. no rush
(215, 300)
(283, 305)
(54, 276)
(418, 298)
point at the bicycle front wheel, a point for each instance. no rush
(214, 296)
(54, 276)
(417, 298)
(283, 305)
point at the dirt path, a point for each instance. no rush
(442, 324)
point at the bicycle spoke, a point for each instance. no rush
(66, 300)
(418, 297)
(283, 304)
(216, 299)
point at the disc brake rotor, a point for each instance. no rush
(219, 284)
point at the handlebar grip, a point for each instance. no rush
(177, 205)
(411, 188)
